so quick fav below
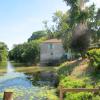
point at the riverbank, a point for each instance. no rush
(31, 69)
(79, 74)
(19, 67)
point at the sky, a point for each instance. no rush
(19, 18)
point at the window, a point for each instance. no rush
(50, 46)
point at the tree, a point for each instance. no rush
(15, 53)
(31, 52)
(60, 28)
(94, 25)
(37, 35)
(3, 52)
(27, 53)
(78, 22)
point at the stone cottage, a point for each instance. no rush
(51, 50)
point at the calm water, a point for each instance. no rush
(12, 78)
(19, 83)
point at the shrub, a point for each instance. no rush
(71, 82)
(78, 96)
(27, 52)
(94, 56)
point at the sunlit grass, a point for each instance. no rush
(34, 69)
(3, 67)
(28, 69)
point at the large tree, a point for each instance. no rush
(27, 53)
(94, 25)
(60, 28)
(78, 22)
(37, 35)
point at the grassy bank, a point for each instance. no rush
(21, 67)
(79, 74)
(33, 69)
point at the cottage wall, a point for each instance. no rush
(51, 51)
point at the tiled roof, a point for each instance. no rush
(53, 41)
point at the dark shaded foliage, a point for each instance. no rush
(3, 51)
(37, 35)
(26, 53)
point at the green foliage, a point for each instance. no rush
(26, 53)
(72, 82)
(97, 25)
(83, 16)
(64, 25)
(94, 23)
(78, 19)
(60, 28)
(86, 16)
(79, 96)
(94, 56)
(71, 2)
(68, 67)
(37, 35)
(3, 52)
(65, 69)
(77, 15)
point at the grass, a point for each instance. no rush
(79, 73)
(33, 69)
(79, 70)
(74, 68)
(28, 69)
(21, 67)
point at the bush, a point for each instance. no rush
(78, 96)
(94, 56)
(27, 53)
(71, 82)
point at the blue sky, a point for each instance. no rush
(19, 18)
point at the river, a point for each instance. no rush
(21, 85)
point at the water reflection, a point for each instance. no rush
(12, 78)
(21, 85)
(10, 68)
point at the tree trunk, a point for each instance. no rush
(82, 6)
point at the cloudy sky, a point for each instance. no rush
(19, 18)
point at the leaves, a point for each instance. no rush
(94, 56)
(3, 52)
(26, 53)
